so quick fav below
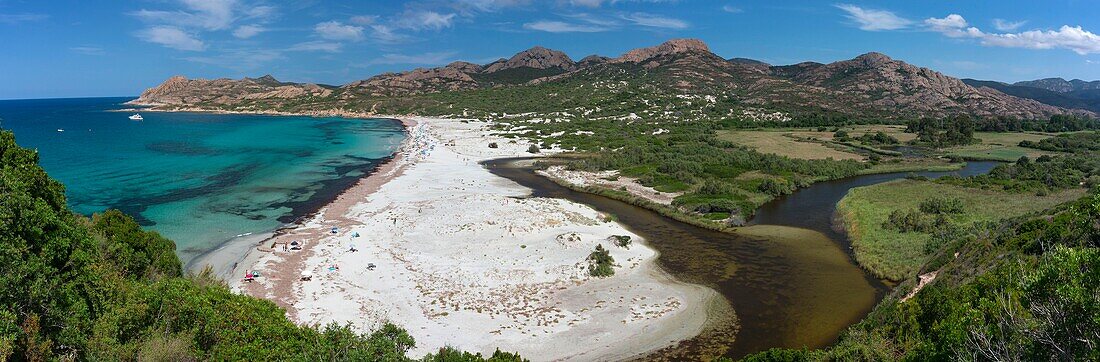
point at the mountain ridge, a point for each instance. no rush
(869, 85)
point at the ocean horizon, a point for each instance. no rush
(200, 179)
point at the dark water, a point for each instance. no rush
(813, 207)
(790, 286)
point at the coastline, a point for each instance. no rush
(563, 308)
(225, 258)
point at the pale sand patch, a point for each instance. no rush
(464, 258)
(612, 180)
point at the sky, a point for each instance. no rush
(51, 49)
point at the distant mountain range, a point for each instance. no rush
(1058, 92)
(674, 75)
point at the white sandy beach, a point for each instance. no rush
(465, 259)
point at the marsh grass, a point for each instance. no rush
(896, 255)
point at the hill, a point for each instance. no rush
(681, 77)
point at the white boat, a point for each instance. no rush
(60, 130)
(136, 117)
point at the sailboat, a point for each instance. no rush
(136, 117)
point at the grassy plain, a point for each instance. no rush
(895, 255)
(793, 144)
(1000, 146)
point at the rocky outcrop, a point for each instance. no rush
(535, 58)
(878, 81)
(179, 90)
(417, 81)
(668, 48)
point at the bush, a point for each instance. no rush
(493, 145)
(533, 149)
(622, 241)
(942, 205)
(908, 221)
(600, 263)
(776, 187)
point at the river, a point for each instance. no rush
(789, 277)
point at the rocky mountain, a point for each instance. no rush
(1060, 85)
(879, 82)
(535, 58)
(1083, 99)
(179, 90)
(871, 85)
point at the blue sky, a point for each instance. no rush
(108, 48)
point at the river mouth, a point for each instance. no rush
(789, 276)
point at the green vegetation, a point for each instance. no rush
(1072, 142)
(943, 132)
(1056, 123)
(714, 175)
(103, 289)
(878, 138)
(793, 144)
(891, 235)
(941, 206)
(999, 147)
(1041, 176)
(600, 263)
(1019, 289)
(622, 241)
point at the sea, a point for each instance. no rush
(199, 179)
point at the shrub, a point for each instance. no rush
(600, 263)
(776, 187)
(493, 145)
(622, 241)
(533, 149)
(908, 221)
(941, 205)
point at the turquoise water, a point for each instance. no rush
(199, 179)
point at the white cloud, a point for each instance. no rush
(731, 9)
(88, 50)
(171, 37)
(953, 25)
(490, 5)
(364, 19)
(1074, 38)
(874, 19)
(386, 34)
(432, 58)
(564, 27)
(318, 46)
(21, 18)
(204, 14)
(240, 59)
(248, 31)
(598, 3)
(335, 30)
(421, 20)
(655, 21)
(1005, 25)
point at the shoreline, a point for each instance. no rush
(225, 257)
(575, 309)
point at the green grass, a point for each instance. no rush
(999, 146)
(717, 216)
(794, 145)
(894, 255)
